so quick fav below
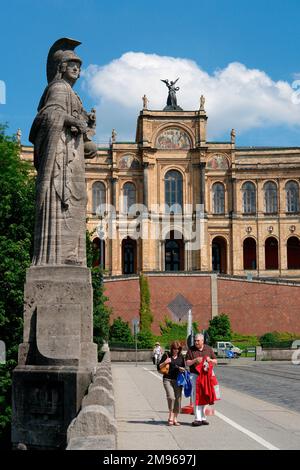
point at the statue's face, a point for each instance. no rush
(72, 70)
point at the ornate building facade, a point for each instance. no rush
(173, 201)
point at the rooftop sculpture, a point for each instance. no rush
(172, 99)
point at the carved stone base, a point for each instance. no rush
(57, 357)
(58, 317)
(45, 400)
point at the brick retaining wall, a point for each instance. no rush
(254, 307)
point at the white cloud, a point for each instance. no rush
(236, 97)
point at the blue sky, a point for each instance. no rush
(261, 35)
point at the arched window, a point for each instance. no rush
(129, 196)
(98, 197)
(219, 255)
(271, 253)
(218, 191)
(249, 198)
(174, 252)
(270, 190)
(292, 196)
(249, 252)
(293, 253)
(173, 190)
(129, 249)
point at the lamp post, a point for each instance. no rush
(190, 331)
(189, 409)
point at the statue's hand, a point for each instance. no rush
(76, 125)
(92, 117)
(81, 126)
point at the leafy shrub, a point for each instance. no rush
(145, 340)
(286, 336)
(219, 329)
(171, 331)
(276, 339)
(268, 338)
(120, 331)
(244, 341)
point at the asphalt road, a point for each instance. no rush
(246, 417)
(275, 382)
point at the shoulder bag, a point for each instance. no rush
(164, 369)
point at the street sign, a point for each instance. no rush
(136, 325)
(180, 307)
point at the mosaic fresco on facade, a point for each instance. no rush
(218, 162)
(173, 138)
(128, 162)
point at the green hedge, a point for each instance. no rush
(173, 331)
(276, 339)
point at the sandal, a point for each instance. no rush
(170, 422)
(176, 423)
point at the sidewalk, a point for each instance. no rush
(139, 425)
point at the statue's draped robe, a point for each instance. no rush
(60, 189)
(172, 98)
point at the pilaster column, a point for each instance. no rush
(187, 255)
(233, 208)
(202, 184)
(113, 191)
(145, 189)
(162, 255)
(214, 295)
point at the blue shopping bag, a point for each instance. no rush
(184, 380)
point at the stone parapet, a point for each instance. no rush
(130, 355)
(94, 428)
(274, 354)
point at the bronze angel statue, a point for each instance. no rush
(172, 99)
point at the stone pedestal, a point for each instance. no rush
(57, 356)
(45, 401)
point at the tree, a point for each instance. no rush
(16, 246)
(120, 331)
(219, 329)
(145, 336)
(146, 317)
(101, 312)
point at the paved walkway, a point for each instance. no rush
(241, 421)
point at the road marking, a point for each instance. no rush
(153, 373)
(235, 425)
(251, 434)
